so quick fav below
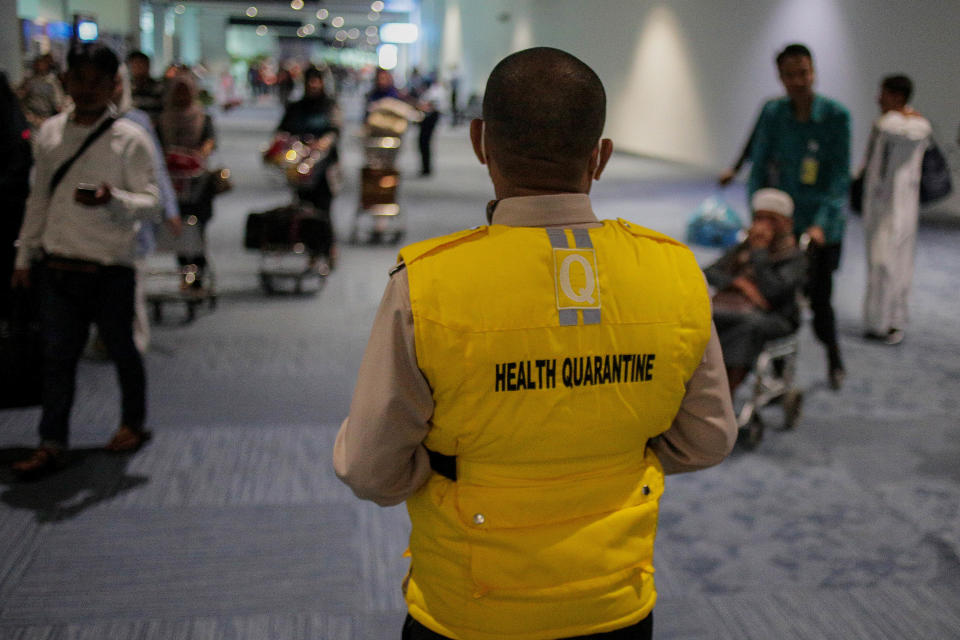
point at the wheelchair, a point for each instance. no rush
(773, 383)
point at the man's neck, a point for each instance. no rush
(803, 108)
(89, 117)
(516, 191)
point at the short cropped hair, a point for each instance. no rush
(794, 50)
(94, 54)
(545, 109)
(313, 72)
(136, 54)
(898, 84)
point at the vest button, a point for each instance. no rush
(645, 490)
(478, 518)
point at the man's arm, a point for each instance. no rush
(35, 214)
(379, 452)
(777, 282)
(705, 429)
(760, 151)
(138, 198)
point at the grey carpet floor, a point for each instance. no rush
(231, 524)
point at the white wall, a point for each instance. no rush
(685, 78)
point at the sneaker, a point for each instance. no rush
(893, 337)
(44, 461)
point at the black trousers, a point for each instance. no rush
(70, 300)
(824, 260)
(427, 127)
(643, 630)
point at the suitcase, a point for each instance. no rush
(378, 187)
(286, 227)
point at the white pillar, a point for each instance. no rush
(11, 58)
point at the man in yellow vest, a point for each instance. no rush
(528, 383)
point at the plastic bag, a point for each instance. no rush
(714, 224)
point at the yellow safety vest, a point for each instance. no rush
(553, 356)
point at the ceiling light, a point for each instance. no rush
(180, 8)
(322, 14)
(377, 6)
(262, 30)
(373, 16)
(353, 34)
(296, 5)
(371, 30)
(251, 12)
(341, 35)
(337, 22)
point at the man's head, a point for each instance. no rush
(139, 65)
(383, 79)
(543, 114)
(795, 66)
(43, 64)
(313, 87)
(91, 78)
(772, 208)
(895, 92)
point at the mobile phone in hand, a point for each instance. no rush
(87, 189)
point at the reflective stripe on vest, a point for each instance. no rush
(553, 356)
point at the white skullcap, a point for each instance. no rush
(772, 200)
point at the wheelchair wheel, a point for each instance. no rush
(751, 433)
(792, 408)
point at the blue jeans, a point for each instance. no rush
(72, 295)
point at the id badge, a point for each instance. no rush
(809, 170)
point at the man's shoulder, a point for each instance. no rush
(639, 231)
(832, 108)
(776, 105)
(130, 131)
(432, 246)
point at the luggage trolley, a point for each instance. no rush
(378, 215)
(181, 285)
(166, 284)
(295, 240)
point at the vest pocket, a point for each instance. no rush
(569, 536)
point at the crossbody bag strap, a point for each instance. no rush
(62, 169)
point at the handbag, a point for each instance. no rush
(714, 224)
(934, 175)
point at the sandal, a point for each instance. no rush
(127, 440)
(43, 462)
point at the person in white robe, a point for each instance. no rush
(891, 203)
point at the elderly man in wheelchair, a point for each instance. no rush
(756, 311)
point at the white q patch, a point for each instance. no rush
(577, 279)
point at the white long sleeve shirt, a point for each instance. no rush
(122, 158)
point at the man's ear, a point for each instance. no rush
(476, 139)
(600, 157)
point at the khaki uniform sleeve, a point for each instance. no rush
(378, 451)
(705, 429)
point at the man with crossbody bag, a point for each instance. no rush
(93, 186)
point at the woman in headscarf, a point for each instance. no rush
(188, 138)
(316, 120)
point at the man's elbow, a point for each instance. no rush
(372, 490)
